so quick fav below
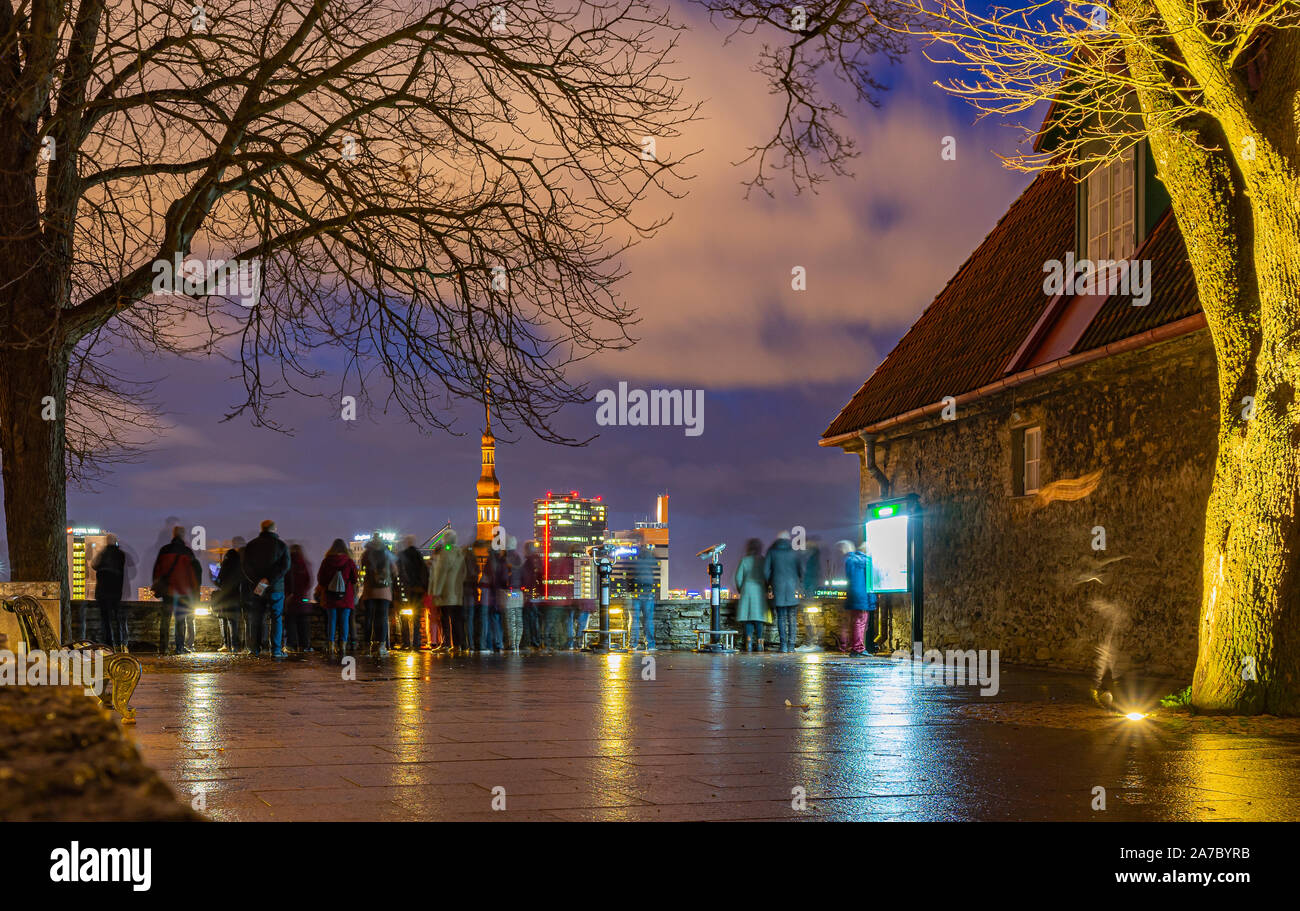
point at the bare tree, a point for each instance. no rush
(1214, 88)
(434, 192)
(809, 49)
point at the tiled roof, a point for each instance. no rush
(966, 337)
(969, 332)
(1173, 292)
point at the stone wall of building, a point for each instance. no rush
(1022, 576)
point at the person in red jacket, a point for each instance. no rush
(338, 581)
(176, 575)
(298, 606)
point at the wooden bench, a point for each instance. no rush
(123, 671)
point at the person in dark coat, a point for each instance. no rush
(338, 581)
(493, 584)
(413, 576)
(110, 575)
(231, 598)
(379, 578)
(176, 575)
(298, 603)
(783, 569)
(265, 565)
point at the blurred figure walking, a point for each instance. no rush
(812, 581)
(231, 597)
(337, 577)
(531, 583)
(176, 575)
(645, 588)
(512, 595)
(413, 574)
(298, 604)
(783, 569)
(380, 568)
(110, 576)
(449, 593)
(474, 616)
(751, 587)
(861, 602)
(265, 565)
(493, 584)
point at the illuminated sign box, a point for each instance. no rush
(887, 532)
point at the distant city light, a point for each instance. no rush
(1135, 716)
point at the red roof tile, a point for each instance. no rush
(966, 337)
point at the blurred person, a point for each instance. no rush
(513, 594)
(298, 605)
(380, 571)
(493, 586)
(645, 590)
(860, 604)
(751, 589)
(176, 575)
(231, 597)
(448, 575)
(531, 584)
(266, 565)
(337, 577)
(413, 574)
(812, 581)
(579, 607)
(109, 567)
(472, 613)
(783, 570)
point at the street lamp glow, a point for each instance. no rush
(1135, 716)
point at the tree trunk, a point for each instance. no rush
(1248, 660)
(33, 381)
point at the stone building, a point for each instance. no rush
(1061, 444)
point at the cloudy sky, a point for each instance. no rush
(717, 313)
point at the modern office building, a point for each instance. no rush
(561, 525)
(626, 544)
(83, 545)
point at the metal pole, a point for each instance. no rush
(604, 569)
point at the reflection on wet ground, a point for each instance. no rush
(738, 737)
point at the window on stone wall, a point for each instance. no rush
(1026, 460)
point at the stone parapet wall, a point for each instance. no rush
(675, 623)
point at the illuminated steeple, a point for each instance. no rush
(488, 488)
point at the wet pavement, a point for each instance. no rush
(738, 737)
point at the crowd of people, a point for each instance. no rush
(267, 597)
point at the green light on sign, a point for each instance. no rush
(884, 512)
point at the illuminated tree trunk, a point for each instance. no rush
(1248, 660)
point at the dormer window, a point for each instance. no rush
(1112, 209)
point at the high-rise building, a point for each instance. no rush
(561, 525)
(83, 545)
(626, 544)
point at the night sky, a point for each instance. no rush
(718, 313)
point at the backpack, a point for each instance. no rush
(338, 585)
(381, 575)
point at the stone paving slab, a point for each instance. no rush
(584, 737)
